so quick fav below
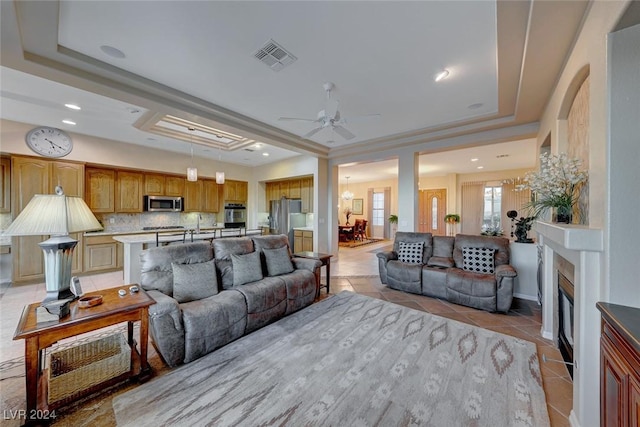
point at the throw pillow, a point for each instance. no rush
(194, 281)
(278, 261)
(479, 260)
(410, 253)
(246, 268)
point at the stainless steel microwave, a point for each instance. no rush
(163, 204)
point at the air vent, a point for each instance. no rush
(249, 150)
(500, 156)
(275, 56)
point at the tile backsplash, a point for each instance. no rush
(133, 222)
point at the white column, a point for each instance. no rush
(408, 191)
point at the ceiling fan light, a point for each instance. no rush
(442, 75)
(219, 177)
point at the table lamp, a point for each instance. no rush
(56, 215)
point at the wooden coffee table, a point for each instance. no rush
(132, 307)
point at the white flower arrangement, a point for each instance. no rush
(556, 185)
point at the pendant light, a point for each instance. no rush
(219, 175)
(192, 171)
(347, 195)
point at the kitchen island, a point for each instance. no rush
(135, 243)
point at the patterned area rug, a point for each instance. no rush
(357, 243)
(351, 360)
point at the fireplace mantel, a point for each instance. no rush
(583, 246)
(572, 236)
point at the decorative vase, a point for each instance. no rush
(562, 214)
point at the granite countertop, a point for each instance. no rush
(151, 237)
(163, 230)
(303, 228)
(625, 319)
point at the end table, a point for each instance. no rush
(325, 259)
(114, 309)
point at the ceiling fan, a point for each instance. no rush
(330, 118)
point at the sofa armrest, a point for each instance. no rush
(306, 264)
(387, 256)
(505, 270)
(166, 327)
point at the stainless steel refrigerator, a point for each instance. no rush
(284, 215)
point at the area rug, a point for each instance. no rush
(357, 243)
(350, 360)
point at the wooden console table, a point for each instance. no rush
(325, 259)
(132, 307)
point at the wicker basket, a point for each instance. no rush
(78, 368)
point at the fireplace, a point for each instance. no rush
(565, 320)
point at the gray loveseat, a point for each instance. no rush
(465, 269)
(209, 294)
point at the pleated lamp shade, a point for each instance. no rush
(53, 214)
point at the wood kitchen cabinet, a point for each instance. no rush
(210, 196)
(31, 176)
(619, 366)
(5, 184)
(174, 186)
(193, 196)
(295, 188)
(235, 191)
(102, 253)
(129, 191)
(100, 186)
(154, 184)
(302, 241)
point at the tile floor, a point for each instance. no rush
(353, 269)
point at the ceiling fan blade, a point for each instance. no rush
(343, 132)
(290, 119)
(312, 132)
(361, 118)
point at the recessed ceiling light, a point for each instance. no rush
(265, 154)
(442, 75)
(480, 167)
(69, 122)
(475, 106)
(474, 160)
(72, 106)
(112, 51)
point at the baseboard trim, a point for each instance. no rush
(525, 296)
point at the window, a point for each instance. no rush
(492, 208)
(378, 208)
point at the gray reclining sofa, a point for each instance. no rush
(209, 294)
(466, 269)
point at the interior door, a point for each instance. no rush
(432, 208)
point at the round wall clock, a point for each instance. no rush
(49, 142)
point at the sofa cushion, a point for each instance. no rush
(246, 268)
(404, 277)
(479, 260)
(410, 253)
(156, 272)
(439, 261)
(443, 246)
(471, 289)
(278, 261)
(194, 281)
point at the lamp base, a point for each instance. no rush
(58, 258)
